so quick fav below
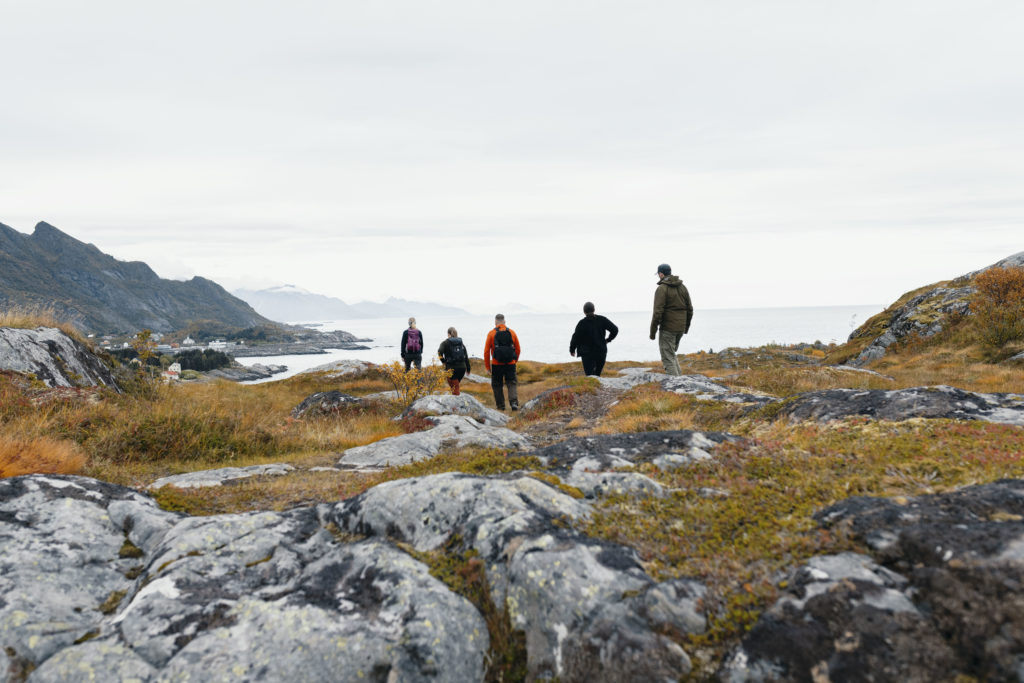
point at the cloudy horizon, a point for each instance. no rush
(791, 154)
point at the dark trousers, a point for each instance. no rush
(411, 358)
(504, 374)
(455, 379)
(593, 363)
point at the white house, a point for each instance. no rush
(188, 341)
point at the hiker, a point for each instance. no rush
(672, 315)
(412, 345)
(590, 341)
(503, 344)
(454, 357)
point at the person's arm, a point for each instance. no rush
(574, 342)
(613, 331)
(689, 309)
(405, 338)
(659, 309)
(441, 351)
(515, 342)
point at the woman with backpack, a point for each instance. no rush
(412, 346)
(454, 357)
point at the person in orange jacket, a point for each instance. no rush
(501, 351)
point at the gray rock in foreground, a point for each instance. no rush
(463, 404)
(942, 597)
(706, 389)
(588, 609)
(221, 476)
(53, 357)
(903, 404)
(262, 596)
(450, 432)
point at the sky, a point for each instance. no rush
(785, 153)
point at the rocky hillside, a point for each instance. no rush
(923, 312)
(98, 293)
(52, 357)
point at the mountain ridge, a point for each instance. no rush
(98, 293)
(291, 303)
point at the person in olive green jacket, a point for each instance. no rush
(672, 315)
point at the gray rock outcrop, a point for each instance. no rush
(324, 403)
(592, 463)
(588, 609)
(219, 477)
(449, 432)
(706, 389)
(342, 368)
(248, 373)
(941, 599)
(463, 404)
(903, 404)
(97, 583)
(53, 357)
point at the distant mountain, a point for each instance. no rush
(98, 293)
(290, 303)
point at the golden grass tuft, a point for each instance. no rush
(39, 456)
(31, 317)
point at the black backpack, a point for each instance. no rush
(456, 355)
(504, 348)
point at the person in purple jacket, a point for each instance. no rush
(412, 345)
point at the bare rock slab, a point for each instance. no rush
(53, 357)
(463, 404)
(221, 476)
(450, 432)
(588, 609)
(97, 583)
(942, 596)
(324, 403)
(903, 404)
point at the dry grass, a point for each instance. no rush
(39, 456)
(31, 317)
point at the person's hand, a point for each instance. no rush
(572, 353)
(652, 337)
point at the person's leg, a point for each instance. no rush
(497, 373)
(668, 343)
(456, 379)
(599, 359)
(417, 359)
(588, 364)
(513, 387)
(408, 362)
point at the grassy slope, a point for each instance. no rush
(737, 544)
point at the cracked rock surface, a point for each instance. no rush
(450, 431)
(942, 596)
(463, 404)
(903, 404)
(53, 357)
(98, 583)
(588, 609)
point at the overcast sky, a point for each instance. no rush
(774, 153)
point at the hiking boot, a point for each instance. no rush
(515, 407)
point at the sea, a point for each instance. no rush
(545, 336)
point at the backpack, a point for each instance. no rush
(456, 355)
(504, 348)
(414, 342)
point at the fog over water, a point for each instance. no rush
(545, 337)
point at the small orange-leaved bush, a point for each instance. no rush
(39, 456)
(998, 305)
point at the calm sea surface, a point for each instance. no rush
(545, 337)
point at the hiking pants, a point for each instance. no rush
(453, 381)
(668, 342)
(411, 358)
(593, 363)
(506, 374)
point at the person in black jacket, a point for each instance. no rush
(454, 357)
(590, 341)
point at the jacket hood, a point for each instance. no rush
(671, 281)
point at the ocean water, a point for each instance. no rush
(545, 337)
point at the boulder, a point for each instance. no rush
(99, 584)
(53, 357)
(631, 377)
(903, 404)
(248, 373)
(449, 432)
(587, 608)
(463, 404)
(706, 389)
(342, 368)
(942, 598)
(219, 477)
(324, 403)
